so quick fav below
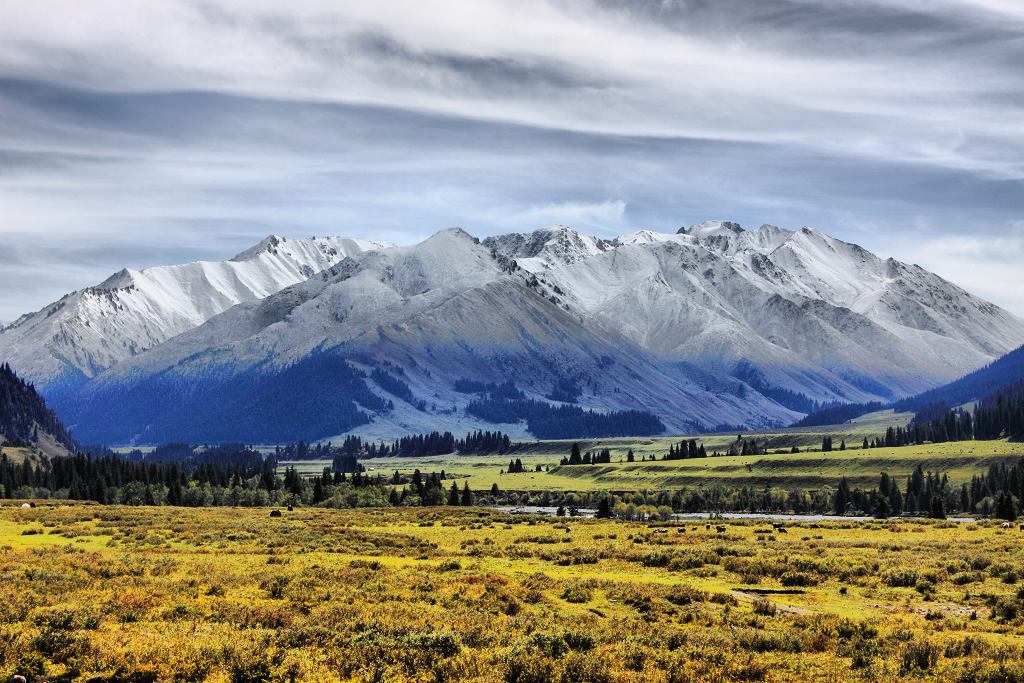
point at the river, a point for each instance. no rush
(687, 516)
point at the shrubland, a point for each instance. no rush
(115, 593)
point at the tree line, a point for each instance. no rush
(995, 417)
(546, 421)
(600, 457)
(117, 480)
(422, 445)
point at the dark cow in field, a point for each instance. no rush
(275, 513)
(682, 529)
(290, 508)
(782, 530)
(720, 529)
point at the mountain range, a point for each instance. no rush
(712, 327)
(75, 338)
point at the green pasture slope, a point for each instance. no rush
(777, 469)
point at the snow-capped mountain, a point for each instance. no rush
(382, 338)
(714, 325)
(89, 330)
(807, 312)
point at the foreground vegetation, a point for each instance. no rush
(107, 593)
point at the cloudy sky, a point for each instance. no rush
(143, 133)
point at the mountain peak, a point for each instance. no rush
(546, 247)
(644, 237)
(456, 233)
(119, 280)
(268, 243)
(713, 229)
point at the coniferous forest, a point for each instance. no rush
(566, 421)
(23, 413)
(237, 480)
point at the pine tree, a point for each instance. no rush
(841, 501)
(1005, 507)
(453, 494)
(467, 495)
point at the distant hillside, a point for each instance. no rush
(26, 419)
(837, 414)
(1002, 377)
(972, 387)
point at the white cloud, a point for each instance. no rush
(636, 77)
(603, 216)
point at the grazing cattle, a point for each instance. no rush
(782, 530)
(25, 505)
(275, 513)
(290, 508)
(708, 526)
(1022, 527)
(1005, 525)
(720, 529)
(568, 529)
(682, 529)
(777, 525)
(661, 531)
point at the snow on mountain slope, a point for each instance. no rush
(445, 309)
(815, 314)
(91, 329)
(713, 325)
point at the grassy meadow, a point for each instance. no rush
(110, 593)
(808, 470)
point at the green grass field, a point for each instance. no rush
(960, 460)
